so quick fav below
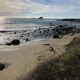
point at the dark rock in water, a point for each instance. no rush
(15, 33)
(21, 36)
(60, 26)
(40, 32)
(2, 66)
(8, 43)
(39, 28)
(27, 39)
(56, 36)
(15, 42)
(40, 17)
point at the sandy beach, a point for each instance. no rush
(25, 57)
(34, 33)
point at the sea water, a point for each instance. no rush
(23, 28)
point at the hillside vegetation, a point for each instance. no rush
(66, 67)
(75, 43)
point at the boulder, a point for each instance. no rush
(15, 42)
(40, 17)
(2, 66)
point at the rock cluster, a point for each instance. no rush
(13, 42)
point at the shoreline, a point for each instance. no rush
(25, 58)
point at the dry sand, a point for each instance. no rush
(23, 58)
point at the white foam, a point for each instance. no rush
(2, 40)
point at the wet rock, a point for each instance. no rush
(15, 42)
(56, 36)
(21, 36)
(27, 39)
(15, 33)
(2, 66)
(40, 17)
(46, 44)
(8, 43)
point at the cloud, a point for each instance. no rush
(38, 7)
(9, 8)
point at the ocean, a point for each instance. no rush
(27, 28)
(23, 23)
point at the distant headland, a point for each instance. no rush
(73, 20)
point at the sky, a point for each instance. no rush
(36, 8)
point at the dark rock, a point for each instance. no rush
(40, 17)
(39, 28)
(2, 66)
(51, 49)
(40, 32)
(60, 26)
(55, 36)
(8, 43)
(27, 39)
(14, 32)
(15, 42)
(21, 35)
(46, 44)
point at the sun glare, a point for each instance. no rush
(1, 21)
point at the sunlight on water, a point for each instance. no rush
(1, 27)
(2, 19)
(28, 29)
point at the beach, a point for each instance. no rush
(39, 39)
(24, 58)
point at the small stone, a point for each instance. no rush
(51, 49)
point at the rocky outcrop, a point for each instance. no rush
(40, 17)
(13, 42)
